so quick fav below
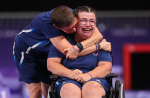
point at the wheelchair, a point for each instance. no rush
(114, 92)
(117, 92)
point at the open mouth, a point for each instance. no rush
(86, 29)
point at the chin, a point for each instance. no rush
(87, 37)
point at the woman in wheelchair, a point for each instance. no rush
(85, 76)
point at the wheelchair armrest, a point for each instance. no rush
(54, 77)
(112, 75)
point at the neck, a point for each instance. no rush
(77, 38)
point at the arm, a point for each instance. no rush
(54, 65)
(96, 37)
(104, 45)
(102, 70)
(62, 43)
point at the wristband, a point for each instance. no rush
(80, 46)
(75, 49)
(96, 53)
(99, 46)
(96, 47)
(90, 75)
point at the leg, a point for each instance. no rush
(93, 89)
(34, 90)
(45, 89)
(70, 90)
(29, 71)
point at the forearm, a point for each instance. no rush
(88, 50)
(57, 68)
(95, 38)
(60, 43)
(101, 71)
(104, 45)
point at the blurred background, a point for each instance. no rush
(126, 24)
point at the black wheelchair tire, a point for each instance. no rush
(117, 88)
(121, 92)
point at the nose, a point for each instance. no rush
(88, 23)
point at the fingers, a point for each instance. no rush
(105, 45)
(78, 79)
(65, 51)
(71, 58)
(71, 54)
(81, 78)
(109, 46)
(75, 73)
(80, 72)
(67, 56)
(103, 40)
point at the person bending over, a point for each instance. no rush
(83, 77)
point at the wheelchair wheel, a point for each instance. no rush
(53, 93)
(49, 92)
(122, 93)
(117, 88)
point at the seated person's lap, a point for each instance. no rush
(105, 84)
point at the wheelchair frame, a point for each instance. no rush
(117, 92)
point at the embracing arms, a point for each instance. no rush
(62, 44)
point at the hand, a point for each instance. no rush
(83, 77)
(71, 54)
(104, 45)
(74, 74)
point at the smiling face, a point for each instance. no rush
(86, 26)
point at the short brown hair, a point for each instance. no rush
(84, 9)
(62, 16)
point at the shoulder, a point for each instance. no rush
(104, 56)
(54, 52)
(103, 53)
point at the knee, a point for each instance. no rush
(35, 91)
(93, 88)
(70, 90)
(69, 87)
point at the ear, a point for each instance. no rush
(55, 26)
(58, 28)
